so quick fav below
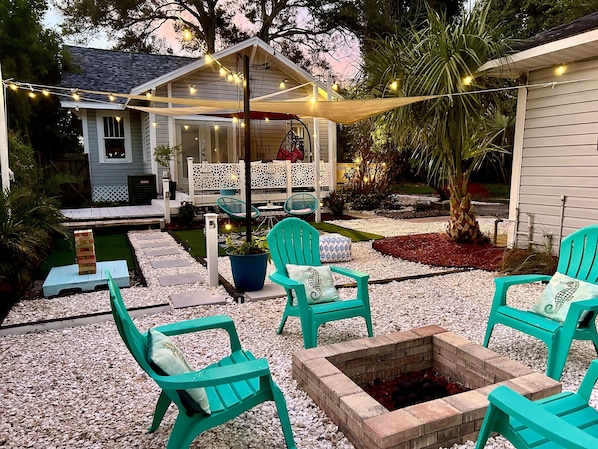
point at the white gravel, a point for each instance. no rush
(79, 387)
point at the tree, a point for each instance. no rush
(31, 53)
(453, 133)
(522, 19)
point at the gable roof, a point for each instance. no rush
(572, 41)
(116, 71)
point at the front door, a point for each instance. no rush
(204, 141)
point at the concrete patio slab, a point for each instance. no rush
(156, 244)
(179, 279)
(269, 291)
(191, 299)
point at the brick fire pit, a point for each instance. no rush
(331, 374)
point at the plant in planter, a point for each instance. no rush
(163, 154)
(187, 212)
(248, 260)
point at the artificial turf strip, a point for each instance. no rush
(195, 242)
(107, 247)
(355, 236)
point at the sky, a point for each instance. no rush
(345, 61)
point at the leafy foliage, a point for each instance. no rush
(257, 245)
(335, 201)
(450, 135)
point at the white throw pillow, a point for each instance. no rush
(167, 359)
(319, 286)
(558, 295)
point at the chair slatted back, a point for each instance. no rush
(135, 341)
(579, 255)
(294, 241)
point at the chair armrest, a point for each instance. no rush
(216, 376)
(589, 381)
(353, 274)
(503, 284)
(540, 420)
(285, 281)
(203, 324)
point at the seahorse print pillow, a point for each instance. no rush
(558, 295)
(319, 286)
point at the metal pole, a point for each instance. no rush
(247, 121)
(4, 169)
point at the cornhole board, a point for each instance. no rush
(68, 277)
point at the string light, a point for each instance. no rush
(266, 119)
(148, 95)
(216, 127)
(560, 70)
(76, 96)
(235, 120)
(192, 89)
(154, 123)
(334, 86)
(31, 94)
(45, 92)
(208, 59)
(229, 77)
(187, 34)
(467, 80)
(111, 97)
(118, 118)
(13, 86)
(282, 84)
(394, 85)
(222, 71)
(186, 127)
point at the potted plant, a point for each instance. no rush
(248, 260)
(163, 154)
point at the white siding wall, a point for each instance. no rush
(560, 154)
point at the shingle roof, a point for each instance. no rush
(117, 71)
(578, 26)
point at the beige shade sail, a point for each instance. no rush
(340, 111)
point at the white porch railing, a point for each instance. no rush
(270, 181)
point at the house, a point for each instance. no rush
(554, 187)
(120, 140)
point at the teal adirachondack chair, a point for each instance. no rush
(578, 259)
(294, 241)
(204, 398)
(563, 421)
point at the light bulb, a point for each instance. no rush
(76, 96)
(394, 85)
(222, 71)
(282, 84)
(467, 80)
(192, 89)
(334, 86)
(560, 70)
(45, 92)
(111, 97)
(154, 123)
(187, 34)
(31, 94)
(118, 118)
(208, 59)
(148, 95)
(13, 86)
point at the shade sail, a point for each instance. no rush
(341, 111)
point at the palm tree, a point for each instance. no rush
(453, 133)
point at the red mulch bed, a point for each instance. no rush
(438, 250)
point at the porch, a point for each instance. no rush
(270, 181)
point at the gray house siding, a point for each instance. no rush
(559, 167)
(110, 182)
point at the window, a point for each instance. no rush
(114, 137)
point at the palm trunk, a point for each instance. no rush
(463, 225)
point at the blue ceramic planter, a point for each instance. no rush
(249, 271)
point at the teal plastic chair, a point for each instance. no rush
(301, 205)
(578, 259)
(234, 385)
(294, 241)
(236, 209)
(565, 420)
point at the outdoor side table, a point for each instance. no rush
(269, 213)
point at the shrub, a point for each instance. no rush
(369, 201)
(335, 201)
(186, 213)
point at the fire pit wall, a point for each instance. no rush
(331, 376)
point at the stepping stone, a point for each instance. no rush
(202, 298)
(155, 244)
(169, 263)
(162, 252)
(151, 236)
(179, 279)
(269, 291)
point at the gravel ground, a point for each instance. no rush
(79, 388)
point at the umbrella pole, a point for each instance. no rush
(247, 121)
